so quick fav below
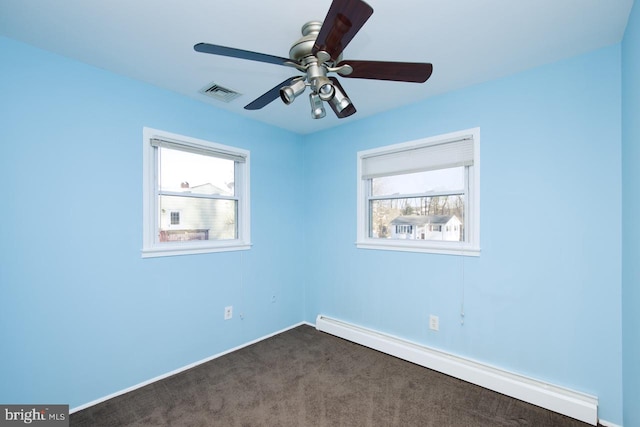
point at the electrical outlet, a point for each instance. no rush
(228, 312)
(434, 322)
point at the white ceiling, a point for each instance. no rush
(468, 42)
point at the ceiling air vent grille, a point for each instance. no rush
(220, 93)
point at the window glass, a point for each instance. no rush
(199, 219)
(186, 172)
(451, 179)
(420, 213)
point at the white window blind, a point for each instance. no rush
(197, 149)
(419, 159)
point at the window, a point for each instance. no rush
(404, 229)
(196, 196)
(430, 186)
(175, 218)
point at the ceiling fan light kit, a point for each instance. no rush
(288, 94)
(319, 52)
(317, 109)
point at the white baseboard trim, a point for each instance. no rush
(608, 424)
(568, 402)
(182, 369)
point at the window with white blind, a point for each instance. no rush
(196, 196)
(421, 196)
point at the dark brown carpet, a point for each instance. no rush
(303, 377)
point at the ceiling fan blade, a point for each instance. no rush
(270, 95)
(239, 53)
(415, 72)
(347, 111)
(344, 19)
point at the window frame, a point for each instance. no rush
(151, 246)
(469, 247)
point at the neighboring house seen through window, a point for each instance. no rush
(196, 196)
(422, 195)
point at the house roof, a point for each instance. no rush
(421, 219)
(209, 188)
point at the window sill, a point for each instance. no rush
(174, 250)
(422, 247)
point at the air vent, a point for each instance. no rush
(220, 93)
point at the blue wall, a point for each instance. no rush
(544, 297)
(83, 315)
(631, 213)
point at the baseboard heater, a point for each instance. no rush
(571, 403)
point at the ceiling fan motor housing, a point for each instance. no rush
(303, 46)
(316, 70)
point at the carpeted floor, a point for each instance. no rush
(303, 377)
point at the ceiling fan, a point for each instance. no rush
(319, 52)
